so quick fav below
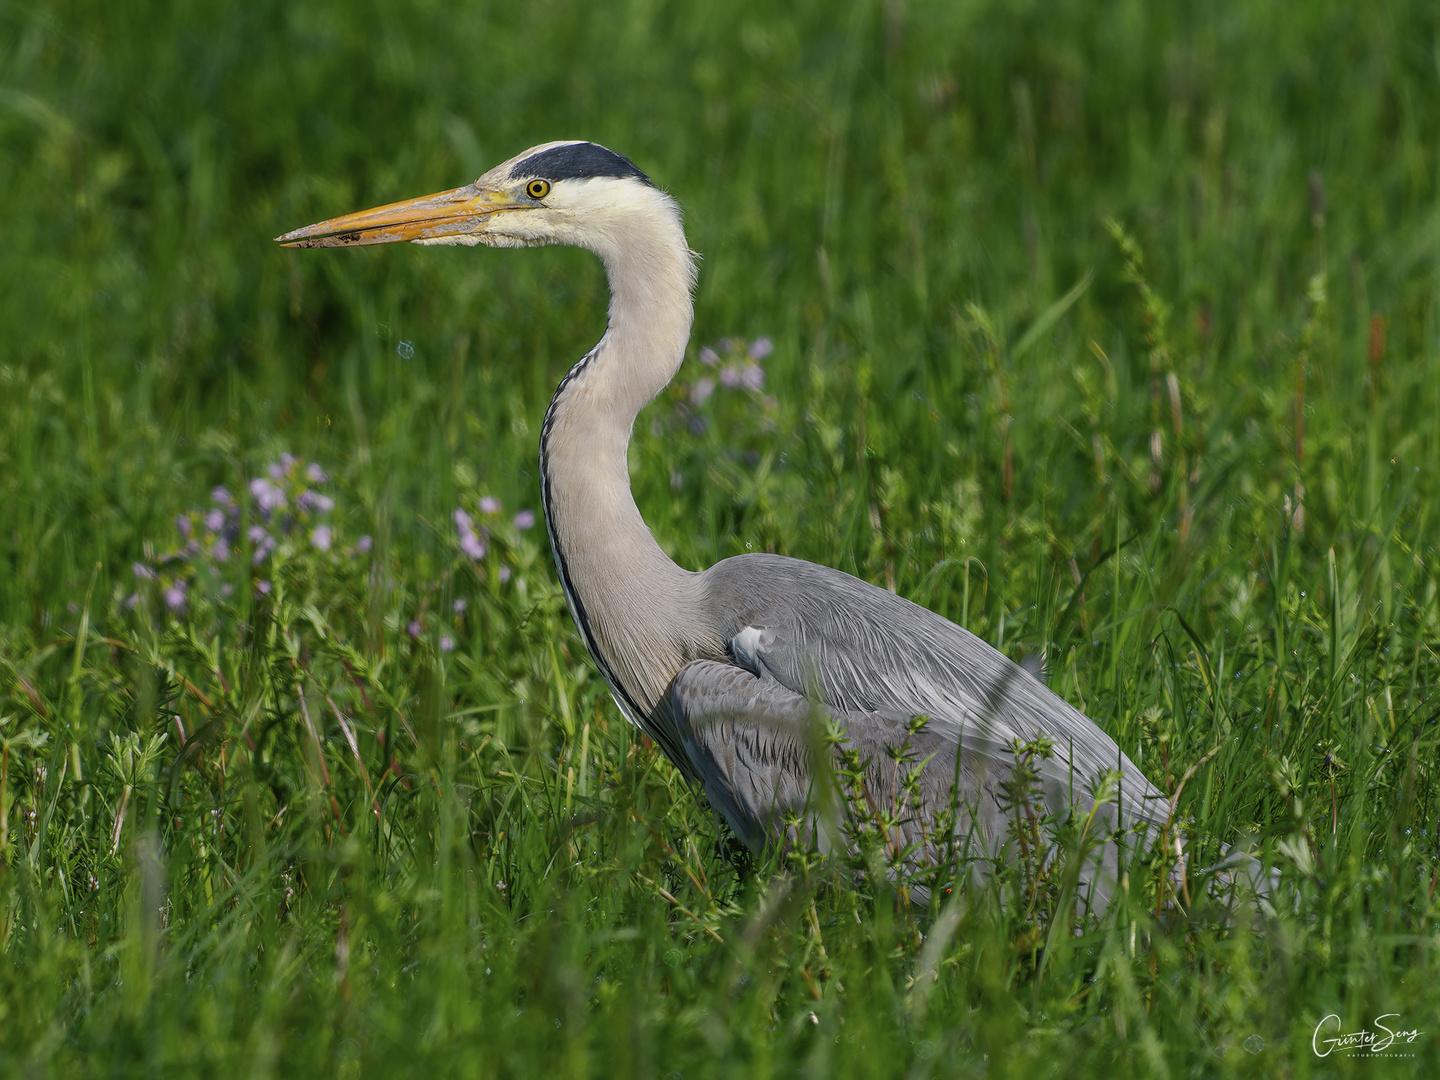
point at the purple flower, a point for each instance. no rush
(131, 601)
(143, 572)
(221, 551)
(708, 356)
(175, 595)
(321, 538)
(215, 520)
(459, 606)
(267, 496)
(182, 525)
(701, 391)
(760, 348)
(263, 588)
(222, 496)
(473, 546)
(730, 377)
(753, 377)
(227, 590)
(525, 519)
(315, 474)
(283, 466)
(263, 546)
(504, 574)
(414, 629)
(447, 644)
(258, 534)
(470, 543)
(363, 544)
(489, 505)
(313, 500)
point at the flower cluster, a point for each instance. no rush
(475, 536)
(738, 364)
(748, 418)
(484, 536)
(286, 505)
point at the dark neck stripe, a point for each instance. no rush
(577, 606)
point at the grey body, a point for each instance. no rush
(794, 643)
(797, 635)
(730, 669)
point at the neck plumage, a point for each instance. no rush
(634, 607)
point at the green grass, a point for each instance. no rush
(1141, 296)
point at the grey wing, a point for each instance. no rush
(746, 741)
(862, 650)
(752, 743)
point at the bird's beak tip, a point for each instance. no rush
(306, 238)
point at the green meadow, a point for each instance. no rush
(1109, 331)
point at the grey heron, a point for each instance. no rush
(727, 668)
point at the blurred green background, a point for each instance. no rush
(853, 177)
(979, 389)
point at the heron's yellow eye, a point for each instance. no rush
(538, 189)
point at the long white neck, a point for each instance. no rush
(635, 608)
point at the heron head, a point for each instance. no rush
(557, 193)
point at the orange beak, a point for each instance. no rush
(447, 213)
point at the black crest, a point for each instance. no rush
(577, 161)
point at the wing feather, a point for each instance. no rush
(863, 650)
(753, 744)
